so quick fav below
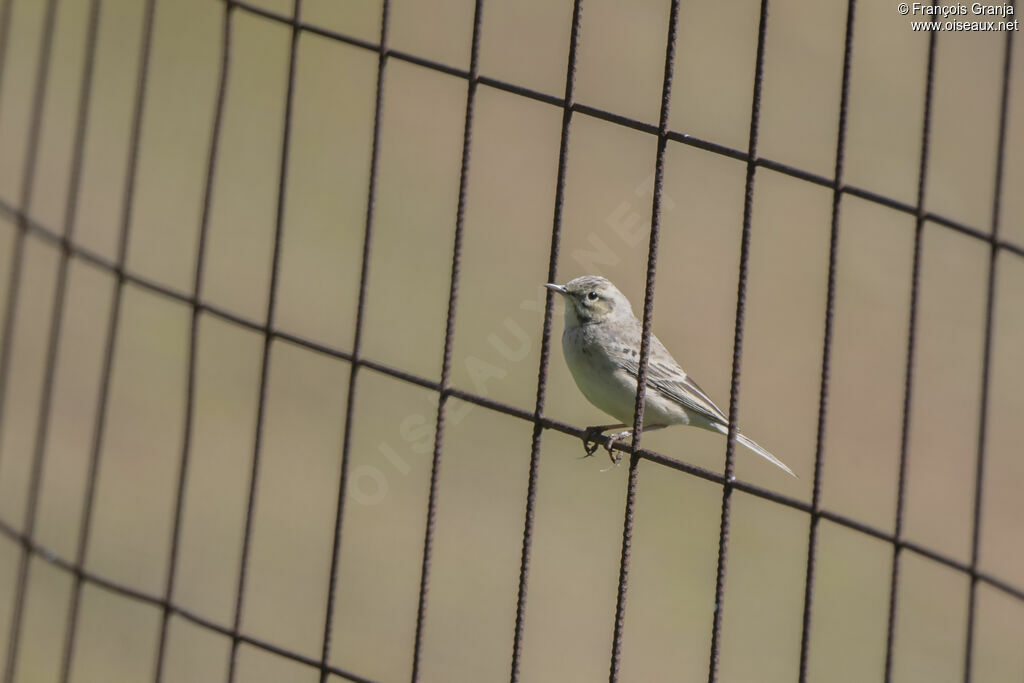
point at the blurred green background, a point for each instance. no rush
(578, 528)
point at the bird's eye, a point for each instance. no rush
(592, 296)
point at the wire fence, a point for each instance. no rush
(267, 327)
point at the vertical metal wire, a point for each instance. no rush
(826, 354)
(5, 33)
(357, 342)
(268, 340)
(36, 473)
(193, 344)
(449, 334)
(645, 343)
(27, 185)
(908, 388)
(545, 344)
(986, 368)
(7, 336)
(568, 103)
(737, 351)
(113, 324)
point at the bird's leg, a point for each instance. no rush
(591, 432)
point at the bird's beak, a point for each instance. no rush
(558, 288)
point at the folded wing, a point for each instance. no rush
(669, 380)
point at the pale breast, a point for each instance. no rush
(597, 378)
(609, 387)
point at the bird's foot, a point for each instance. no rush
(613, 441)
(590, 443)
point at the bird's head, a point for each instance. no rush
(592, 299)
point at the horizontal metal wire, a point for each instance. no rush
(642, 126)
(89, 256)
(83, 574)
(567, 104)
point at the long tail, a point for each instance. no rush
(752, 445)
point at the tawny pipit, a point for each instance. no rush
(601, 343)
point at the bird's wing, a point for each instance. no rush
(667, 378)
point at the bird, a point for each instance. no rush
(601, 345)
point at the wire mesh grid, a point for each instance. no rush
(444, 388)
